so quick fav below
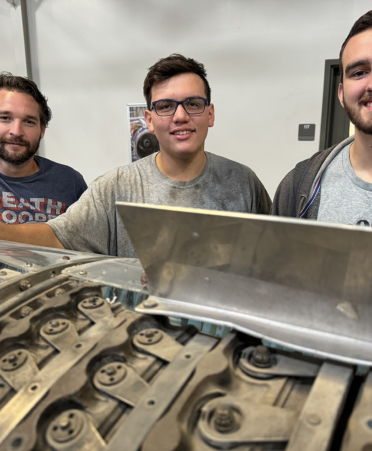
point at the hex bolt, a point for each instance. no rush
(82, 272)
(28, 264)
(150, 303)
(261, 357)
(25, 311)
(149, 333)
(25, 285)
(65, 257)
(54, 323)
(224, 419)
(3, 273)
(59, 291)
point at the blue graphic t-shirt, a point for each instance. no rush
(41, 196)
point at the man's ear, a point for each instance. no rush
(211, 115)
(43, 128)
(148, 120)
(341, 94)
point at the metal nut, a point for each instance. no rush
(25, 285)
(65, 257)
(261, 357)
(25, 311)
(150, 303)
(224, 419)
(59, 291)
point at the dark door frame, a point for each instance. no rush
(331, 81)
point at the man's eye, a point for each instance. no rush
(4, 118)
(30, 122)
(162, 106)
(359, 73)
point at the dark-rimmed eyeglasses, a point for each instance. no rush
(167, 107)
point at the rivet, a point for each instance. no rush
(150, 303)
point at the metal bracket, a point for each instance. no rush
(157, 343)
(121, 382)
(228, 421)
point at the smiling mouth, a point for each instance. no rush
(183, 132)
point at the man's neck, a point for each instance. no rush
(181, 169)
(23, 170)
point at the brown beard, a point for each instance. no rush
(355, 117)
(20, 158)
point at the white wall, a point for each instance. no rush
(7, 57)
(265, 61)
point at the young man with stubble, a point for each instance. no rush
(181, 174)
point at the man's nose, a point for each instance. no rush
(180, 114)
(16, 128)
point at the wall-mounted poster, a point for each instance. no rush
(141, 142)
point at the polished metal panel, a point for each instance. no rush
(119, 272)
(29, 258)
(283, 279)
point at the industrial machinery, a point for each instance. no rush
(248, 333)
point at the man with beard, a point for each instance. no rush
(335, 185)
(32, 188)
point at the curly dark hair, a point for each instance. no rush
(24, 85)
(170, 66)
(362, 24)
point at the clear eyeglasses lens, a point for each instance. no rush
(168, 107)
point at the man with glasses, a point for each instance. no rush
(181, 174)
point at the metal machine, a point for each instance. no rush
(93, 355)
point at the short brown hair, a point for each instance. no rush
(170, 66)
(24, 85)
(362, 24)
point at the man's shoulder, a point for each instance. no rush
(224, 163)
(50, 165)
(126, 173)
